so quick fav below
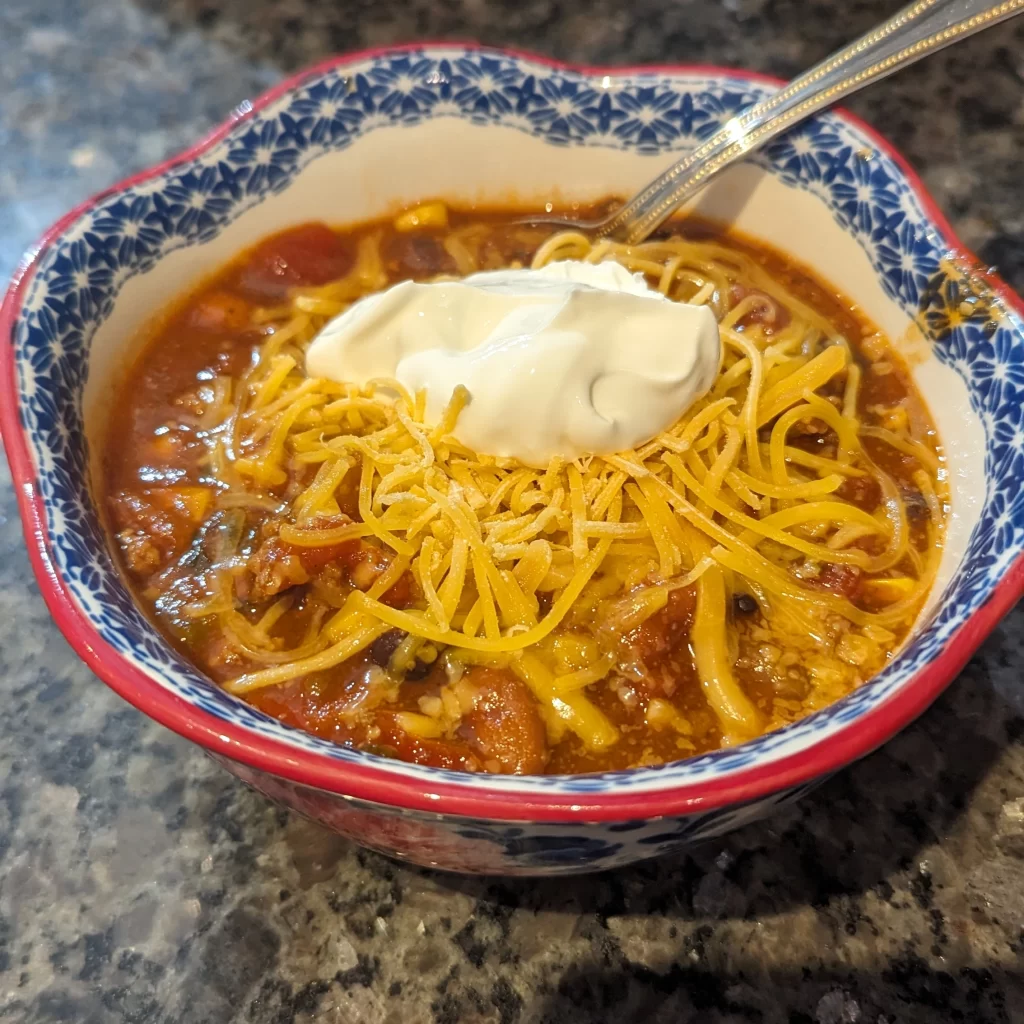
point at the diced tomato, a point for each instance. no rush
(504, 726)
(436, 753)
(285, 703)
(844, 580)
(335, 704)
(310, 254)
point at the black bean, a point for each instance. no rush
(385, 645)
(744, 604)
(417, 670)
(420, 255)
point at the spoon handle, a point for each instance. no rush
(917, 30)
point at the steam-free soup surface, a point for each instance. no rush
(761, 559)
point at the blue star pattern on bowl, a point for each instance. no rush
(127, 232)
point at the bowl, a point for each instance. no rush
(360, 136)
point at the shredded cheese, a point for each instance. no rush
(502, 553)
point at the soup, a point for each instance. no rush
(329, 555)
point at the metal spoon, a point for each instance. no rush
(917, 30)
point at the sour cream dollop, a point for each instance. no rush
(569, 360)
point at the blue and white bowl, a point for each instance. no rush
(365, 134)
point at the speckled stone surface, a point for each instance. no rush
(139, 883)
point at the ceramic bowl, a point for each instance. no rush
(361, 135)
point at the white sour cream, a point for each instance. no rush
(569, 360)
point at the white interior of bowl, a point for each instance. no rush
(465, 162)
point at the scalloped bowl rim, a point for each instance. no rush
(366, 780)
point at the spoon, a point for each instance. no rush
(919, 29)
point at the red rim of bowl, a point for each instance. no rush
(368, 781)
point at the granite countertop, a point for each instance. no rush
(140, 883)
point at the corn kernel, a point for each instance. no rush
(420, 726)
(428, 215)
